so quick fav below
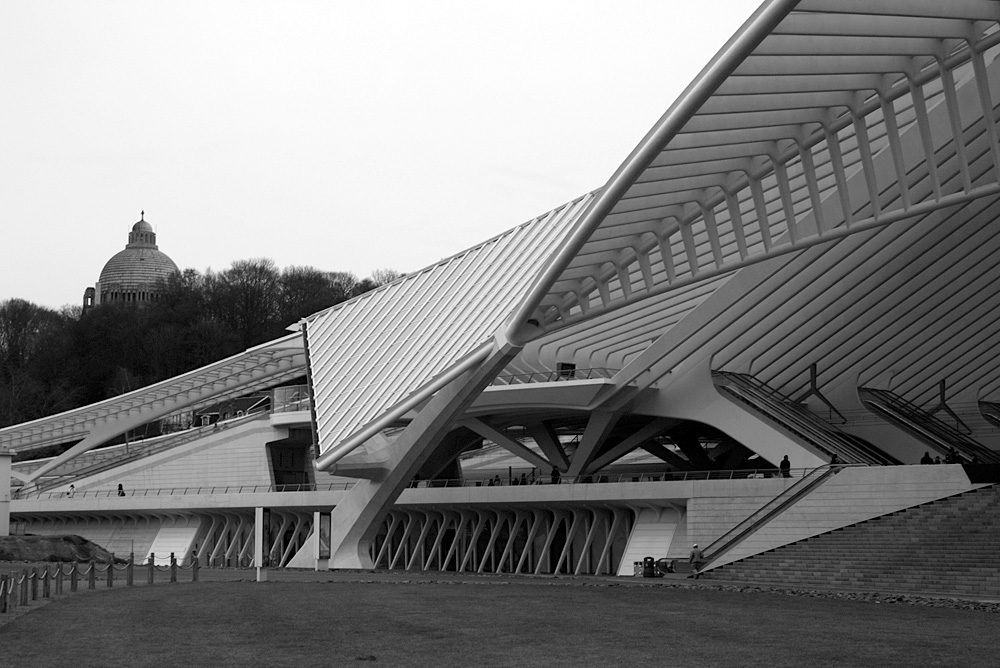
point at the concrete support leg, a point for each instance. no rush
(357, 517)
(5, 459)
(321, 526)
(260, 546)
(695, 397)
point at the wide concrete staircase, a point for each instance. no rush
(947, 547)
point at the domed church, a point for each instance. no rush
(133, 275)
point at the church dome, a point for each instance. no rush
(134, 274)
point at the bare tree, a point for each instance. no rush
(381, 277)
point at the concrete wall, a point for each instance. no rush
(230, 457)
(851, 496)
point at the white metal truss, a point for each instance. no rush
(259, 367)
(578, 540)
(754, 160)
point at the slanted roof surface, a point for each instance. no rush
(798, 100)
(368, 354)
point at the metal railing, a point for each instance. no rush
(290, 399)
(554, 376)
(808, 482)
(183, 491)
(498, 480)
(20, 589)
(480, 480)
(925, 426)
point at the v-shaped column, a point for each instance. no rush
(357, 517)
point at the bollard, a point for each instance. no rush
(194, 570)
(173, 568)
(24, 587)
(46, 590)
(34, 584)
(59, 581)
(3, 593)
(74, 578)
(92, 575)
(111, 571)
(129, 568)
(149, 568)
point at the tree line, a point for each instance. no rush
(56, 360)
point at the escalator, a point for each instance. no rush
(798, 420)
(926, 427)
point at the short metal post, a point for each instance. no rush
(3, 593)
(173, 567)
(111, 571)
(194, 570)
(24, 586)
(150, 567)
(34, 584)
(129, 570)
(74, 577)
(92, 575)
(46, 589)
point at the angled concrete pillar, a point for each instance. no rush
(357, 517)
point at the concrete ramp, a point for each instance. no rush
(176, 540)
(652, 536)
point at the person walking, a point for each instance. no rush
(696, 559)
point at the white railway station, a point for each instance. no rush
(798, 260)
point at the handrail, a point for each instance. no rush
(555, 376)
(499, 480)
(768, 511)
(184, 491)
(799, 420)
(924, 425)
(990, 411)
(480, 479)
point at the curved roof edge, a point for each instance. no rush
(739, 46)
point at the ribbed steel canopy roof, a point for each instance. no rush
(753, 160)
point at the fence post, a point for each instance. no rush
(149, 568)
(92, 575)
(59, 581)
(24, 587)
(46, 589)
(194, 570)
(3, 593)
(74, 577)
(34, 584)
(129, 570)
(111, 571)
(173, 568)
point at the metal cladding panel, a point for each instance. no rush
(754, 159)
(370, 353)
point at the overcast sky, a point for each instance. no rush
(349, 136)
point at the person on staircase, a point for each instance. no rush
(696, 559)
